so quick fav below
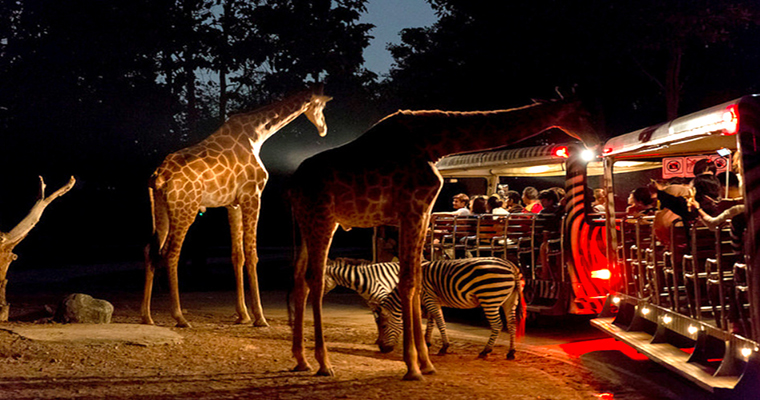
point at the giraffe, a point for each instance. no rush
(224, 170)
(387, 177)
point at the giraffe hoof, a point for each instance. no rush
(243, 321)
(183, 324)
(413, 376)
(326, 371)
(302, 367)
(261, 323)
(428, 370)
(147, 321)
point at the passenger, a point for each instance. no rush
(640, 203)
(600, 201)
(673, 206)
(548, 225)
(513, 202)
(729, 183)
(495, 204)
(460, 203)
(706, 185)
(561, 194)
(478, 205)
(530, 198)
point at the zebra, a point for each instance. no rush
(490, 283)
(373, 282)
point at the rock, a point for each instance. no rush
(83, 308)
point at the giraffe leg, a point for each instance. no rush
(171, 260)
(153, 251)
(315, 277)
(235, 217)
(300, 293)
(150, 271)
(416, 354)
(250, 222)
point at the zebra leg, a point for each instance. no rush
(494, 320)
(435, 313)
(429, 331)
(510, 312)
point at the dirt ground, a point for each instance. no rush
(216, 359)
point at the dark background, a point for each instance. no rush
(105, 90)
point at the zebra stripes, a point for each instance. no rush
(373, 282)
(491, 283)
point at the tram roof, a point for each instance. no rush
(696, 133)
(534, 161)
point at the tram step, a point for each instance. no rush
(668, 356)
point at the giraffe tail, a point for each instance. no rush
(152, 257)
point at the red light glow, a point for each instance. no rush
(561, 152)
(601, 274)
(731, 119)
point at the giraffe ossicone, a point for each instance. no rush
(224, 170)
(387, 176)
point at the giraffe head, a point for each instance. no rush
(314, 110)
(575, 120)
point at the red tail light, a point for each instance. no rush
(561, 152)
(731, 119)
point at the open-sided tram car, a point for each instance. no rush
(686, 297)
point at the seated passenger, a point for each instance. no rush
(640, 203)
(494, 205)
(461, 203)
(600, 201)
(478, 205)
(513, 205)
(530, 198)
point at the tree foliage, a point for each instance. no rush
(642, 61)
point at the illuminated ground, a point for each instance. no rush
(219, 360)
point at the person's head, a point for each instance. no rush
(494, 201)
(513, 198)
(548, 199)
(460, 200)
(641, 197)
(599, 196)
(734, 189)
(478, 205)
(705, 166)
(530, 195)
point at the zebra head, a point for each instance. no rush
(389, 322)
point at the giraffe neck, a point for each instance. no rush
(447, 133)
(260, 124)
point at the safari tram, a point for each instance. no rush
(685, 293)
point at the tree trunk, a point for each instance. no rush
(10, 239)
(673, 83)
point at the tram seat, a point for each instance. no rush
(672, 267)
(638, 252)
(701, 247)
(654, 264)
(520, 241)
(439, 235)
(626, 226)
(488, 239)
(720, 277)
(741, 296)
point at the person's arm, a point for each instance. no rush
(673, 203)
(715, 222)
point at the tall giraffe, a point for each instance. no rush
(224, 170)
(387, 177)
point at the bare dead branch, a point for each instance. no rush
(19, 232)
